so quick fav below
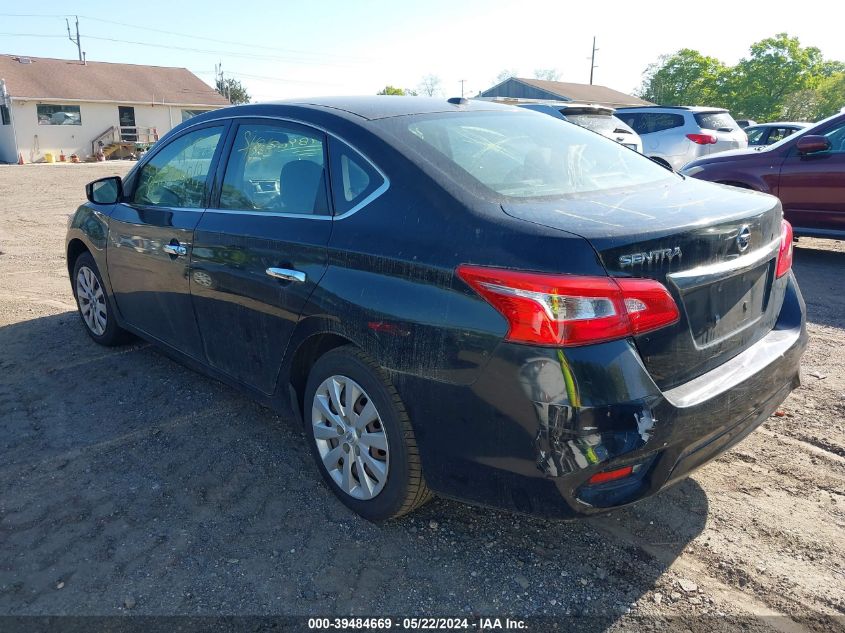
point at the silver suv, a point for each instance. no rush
(675, 135)
(596, 118)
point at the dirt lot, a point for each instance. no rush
(129, 484)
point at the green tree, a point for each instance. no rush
(233, 90)
(758, 86)
(684, 78)
(830, 94)
(402, 92)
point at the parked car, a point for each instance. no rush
(763, 134)
(456, 297)
(745, 123)
(675, 135)
(805, 170)
(597, 118)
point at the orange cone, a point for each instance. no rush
(20, 158)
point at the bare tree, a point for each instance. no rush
(549, 74)
(507, 73)
(430, 86)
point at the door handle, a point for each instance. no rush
(175, 249)
(286, 274)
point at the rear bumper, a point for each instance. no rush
(539, 422)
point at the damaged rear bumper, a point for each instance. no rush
(540, 422)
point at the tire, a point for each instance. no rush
(88, 288)
(377, 437)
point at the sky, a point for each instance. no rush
(288, 49)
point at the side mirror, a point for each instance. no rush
(812, 143)
(105, 190)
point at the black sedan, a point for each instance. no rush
(456, 298)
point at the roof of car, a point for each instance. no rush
(384, 106)
(801, 124)
(689, 108)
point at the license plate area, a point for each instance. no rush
(723, 308)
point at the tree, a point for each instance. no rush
(684, 78)
(506, 74)
(549, 74)
(402, 92)
(233, 90)
(430, 86)
(776, 67)
(830, 96)
(390, 90)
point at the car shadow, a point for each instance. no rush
(820, 272)
(132, 484)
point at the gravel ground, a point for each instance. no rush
(129, 484)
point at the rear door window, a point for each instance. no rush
(650, 122)
(659, 121)
(779, 133)
(354, 178)
(276, 168)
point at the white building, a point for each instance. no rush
(55, 106)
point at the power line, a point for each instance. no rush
(179, 34)
(215, 52)
(214, 39)
(235, 73)
(33, 35)
(193, 50)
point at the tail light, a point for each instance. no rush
(546, 309)
(702, 139)
(786, 248)
(611, 475)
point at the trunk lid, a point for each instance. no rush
(714, 248)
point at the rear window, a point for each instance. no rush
(524, 156)
(715, 120)
(650, 122)
(601, 123)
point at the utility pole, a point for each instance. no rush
(77, 40)
(220, 83)
(593, 60)
(462, 87)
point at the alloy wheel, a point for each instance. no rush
(350, 437)
(92, 300)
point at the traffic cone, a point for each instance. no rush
(20, 158)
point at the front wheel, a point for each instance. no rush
(95, 307)
(361, 437)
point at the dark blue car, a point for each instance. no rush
(455, 298)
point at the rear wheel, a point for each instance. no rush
(94, 304)
(361, 437)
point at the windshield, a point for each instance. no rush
(812, 129)
(525, 155)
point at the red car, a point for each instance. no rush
(805, 170)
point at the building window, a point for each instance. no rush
(4, 115)
(190, 114)
(50, 114)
